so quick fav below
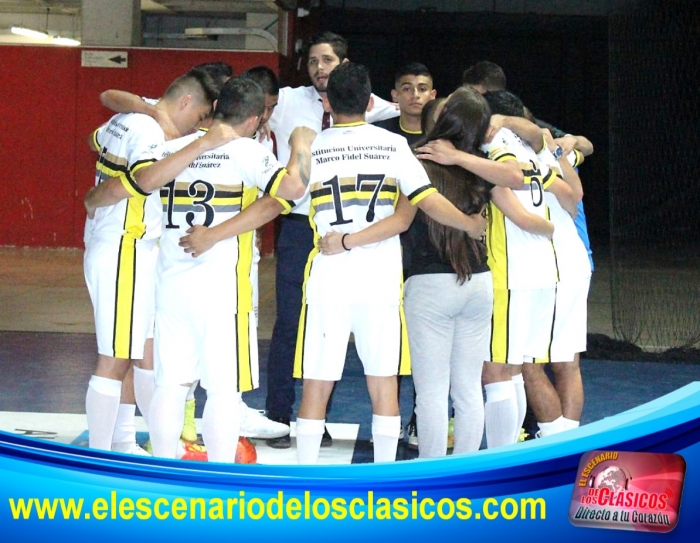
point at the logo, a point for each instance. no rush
(623, 490)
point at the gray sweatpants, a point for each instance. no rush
(449, 328)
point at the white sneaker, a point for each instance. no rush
(255, 424)
(130, 448)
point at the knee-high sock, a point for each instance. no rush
(521, 400)
(144, 386)
(221, 426)
(125, 426)
(500, 414)
(309, 434)
(102, 406)
(385, 434)
(165, 416)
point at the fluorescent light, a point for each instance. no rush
(58, 40)
(29, 33)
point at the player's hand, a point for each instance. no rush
(567, 144)
(218, 135)
(495, 124)
(477, 229)
(264, 132)
(166, 123)
(440, 151)
(302, 136)
(199, 240)
(549, 140)
(331, 244)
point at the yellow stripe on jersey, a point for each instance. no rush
(501, 154)
(129, 175)
(244, 262)
(273, 186)
(404, 352)
(124, 298)
(95, 142)
(298, 372)
(134, 218)
(549, 179)
(499, 325)
(578, 158)
(245, 372)
(497, 247)
(421, 194)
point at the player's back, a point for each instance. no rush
(357, 172)
(120, 143)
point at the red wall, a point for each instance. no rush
(49, 107)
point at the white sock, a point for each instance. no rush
(221, 426)
(521, 400)
(500, 414)
(309, 434)
(125, 426)
(385, 434)
(550, 428)
(165, 416)
(570, 424)
(101, 407)
(144, 386)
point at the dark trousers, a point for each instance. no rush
(294, 244)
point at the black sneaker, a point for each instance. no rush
(326, 440)
(412, 431)
(284, 442)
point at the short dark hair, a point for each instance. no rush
(349, 89)
(196, 83)
(485, 73)
(219, 72)
(503, 102)
(240, 99)
(337, 43)
(412, 68)
(264, 77)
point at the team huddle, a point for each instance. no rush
(445, 234)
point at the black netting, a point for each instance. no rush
(654, 174)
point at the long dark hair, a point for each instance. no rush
(464, 121)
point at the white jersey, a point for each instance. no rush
(357, 171)
(213, 188)
(122, 141)
(302, 106)
(572, 257)
(518, 259)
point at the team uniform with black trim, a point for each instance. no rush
(205, 326)
(121, 241)
(523, 265)
(357, 171)
(571, 309)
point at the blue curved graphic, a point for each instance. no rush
(488, 483)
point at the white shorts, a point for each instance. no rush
(219, 349)
(522, 324)
(324, 330)
(120, 276)
(570, 321)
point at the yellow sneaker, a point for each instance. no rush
(189, 430)
(451, 433)
(523, 435)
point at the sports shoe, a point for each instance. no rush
(189, 430)
(282, 442)
(412, 431)
(524, 436)
(191, 451)
(451, 433)
(326, 440)
(255, 424)
(130, 448)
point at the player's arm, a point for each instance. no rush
(570, 142)
(293, 184)
(510, 206)
(335, 242)
(439, 208)
(126, 102)
(565, 195)
(152, 177)
(505, 173)
(527, 130)
(107, 193)
(568, 172)
(200, 239)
